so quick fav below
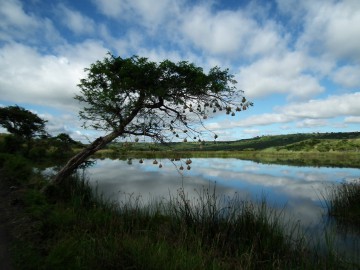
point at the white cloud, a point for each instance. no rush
(331, 28)
(59, 123)
(160, 55)
(14, 21)
(29, 77)
(255, 120)
(47, 32)
(264, 119)
(305, 114)
(352, 119)
(84, 53)
(251, 131)
(333, 106)
(220, 33)
(111, 8)
(311, 123)
(75, 21)
(229, 32)
(12, 14)
(153, 12)
(348, 76)
(124, 46)
(282, 74)
(147, 13)
(286, 7)
(16, 24)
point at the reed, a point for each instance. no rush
(343, 202)
(83, 230)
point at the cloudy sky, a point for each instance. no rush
(298, 61)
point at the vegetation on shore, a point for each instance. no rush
(330, 159)
(316, 149)
(72, 227)
(301, 142)
(343, 203)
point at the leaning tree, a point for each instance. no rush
(132, 97)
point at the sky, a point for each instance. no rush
(297, 61)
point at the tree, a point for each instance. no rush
(65, 139)
(136, 97)
(63, 145)
(22, 122)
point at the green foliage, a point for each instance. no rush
(3, 158)
(62, 146)
(37, 153)
(15, 168)
(12, 144)
(135, 96)
(307, 142)
(21, 122)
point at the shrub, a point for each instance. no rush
(16, 168)
(37, 153)
(12, 144)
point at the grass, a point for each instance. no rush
(336, 159)
(73, 227)
(320, 142)
(343, 203)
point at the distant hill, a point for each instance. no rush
(319, 142)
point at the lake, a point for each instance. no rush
(297, 191)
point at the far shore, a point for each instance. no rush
(296, 158)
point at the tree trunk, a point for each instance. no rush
(81, 157)
(98, 144)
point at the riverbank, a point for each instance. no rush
(317, 159)
(73, 228)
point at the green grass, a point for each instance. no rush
(304, 142)
(331, 159)
(343, 203)
(316, 149)
(74, 228)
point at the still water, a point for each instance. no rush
(299, 188)
(297, 191)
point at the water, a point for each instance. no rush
(297, 191)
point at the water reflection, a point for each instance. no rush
(113, 177)
(299, 188)
(295, 190)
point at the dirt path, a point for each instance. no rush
(5, 237)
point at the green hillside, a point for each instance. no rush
(318, 142)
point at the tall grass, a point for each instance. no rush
(343, 203)
(75, 228)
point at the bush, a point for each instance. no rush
(16, 168)
(12, 144)
(37, 153)
(4, 157)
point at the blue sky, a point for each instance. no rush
(298, 61)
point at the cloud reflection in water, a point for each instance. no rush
(297, 188)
